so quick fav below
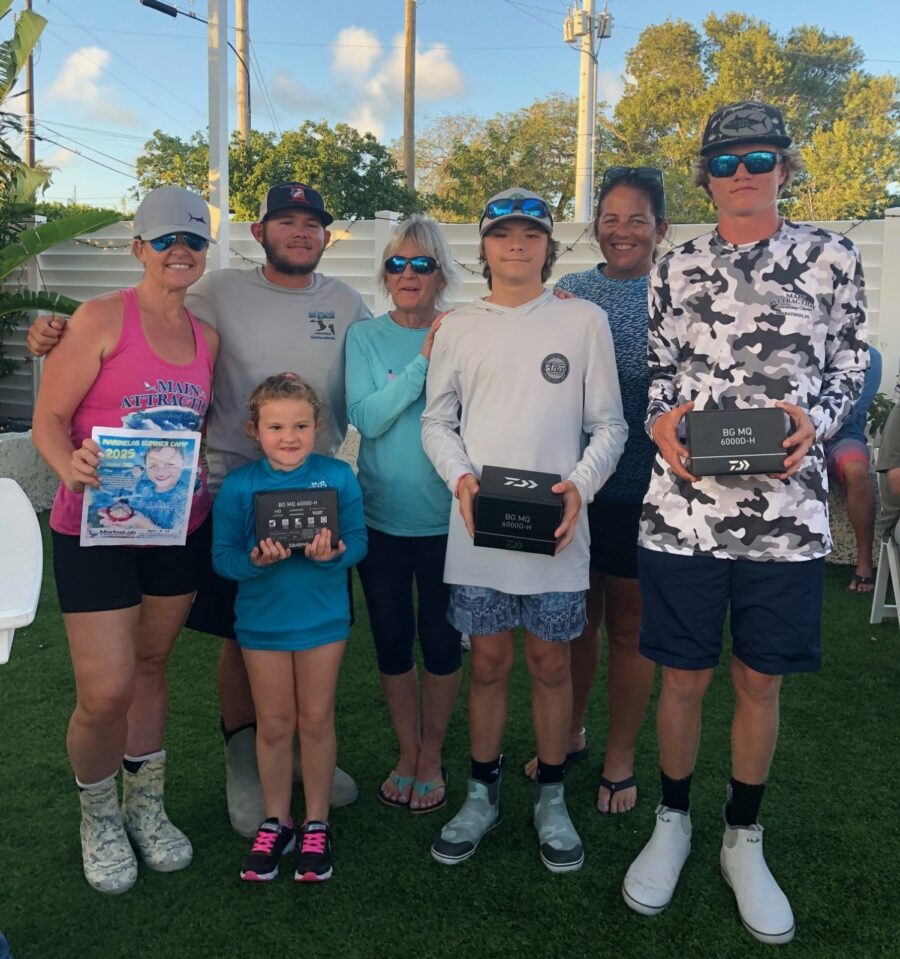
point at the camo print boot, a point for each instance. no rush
(161, 845)
(107, 856)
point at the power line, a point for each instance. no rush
(267, 100)
(131, 66)
(521, 9)
(111, 133)
(83, 157)
(154, 104)
(86, 146)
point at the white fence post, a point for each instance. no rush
(385, 223)
(889, 313)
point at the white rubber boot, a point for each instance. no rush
(159, 843)
(246, 806)
(763, 907)
(651, 879)
(343, 788)
(107, 856)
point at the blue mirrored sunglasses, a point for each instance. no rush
(190, 240)
(758, 161)
(421, 264)
(528, 206)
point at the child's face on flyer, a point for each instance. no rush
(164, 466)
(287, 432)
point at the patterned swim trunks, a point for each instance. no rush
(554, 617)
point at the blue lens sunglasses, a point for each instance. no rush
(421, 264)
(528, 206)
(190, 240)
(757, 161)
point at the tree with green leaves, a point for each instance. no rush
(533, 147)
(843, 120)
(356, 174)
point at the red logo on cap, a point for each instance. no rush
(298, 193)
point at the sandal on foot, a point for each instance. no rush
(424, 788)
(613, 788)
(861, 584)
(401, 783)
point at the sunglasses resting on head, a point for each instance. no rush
(527, 206)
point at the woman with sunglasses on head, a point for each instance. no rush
(137, 358)
(630, 223)
(407, 508)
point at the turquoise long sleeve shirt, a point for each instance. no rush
(298, 603)
(385, 378)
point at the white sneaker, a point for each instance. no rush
(763, 907)
(650, 882)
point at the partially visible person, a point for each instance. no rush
(629, 225)
(123, 606)
(293, 620)
(521, 380)
(280, 314)
(847, 458)
(888, 468)
(407, 509)
(758, 313)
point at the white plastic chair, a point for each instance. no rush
(21, 563)
(888, 573)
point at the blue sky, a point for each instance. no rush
(110, 72)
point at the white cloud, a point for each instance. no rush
(291, 95)
(374, 102)
(356, 50)
(59, 158)
(78, 83)
(610, 86)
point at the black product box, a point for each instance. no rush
(292, 517)
(735, 442)
(516, 510)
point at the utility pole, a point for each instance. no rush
(409, 98)
(29, 106)
(590, 28)
(217, 43)
(242, 36)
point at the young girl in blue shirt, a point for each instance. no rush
(293, 619)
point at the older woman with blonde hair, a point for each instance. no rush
(407, 508)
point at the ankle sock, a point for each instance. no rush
(132, 764)
(550, 772)
(676, 793)
(228, 733)
(743, 810)
(487, 773)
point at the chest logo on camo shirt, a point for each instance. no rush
(321, 324)
(554, 367)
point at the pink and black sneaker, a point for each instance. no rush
(273, 840)
(314, 857)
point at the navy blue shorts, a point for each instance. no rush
(387, 574)
(775, 611)
(93, 579)
(614, 537)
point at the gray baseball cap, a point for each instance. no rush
(744, 122)
(172, 209)
(516, 204)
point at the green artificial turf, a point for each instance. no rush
(831, 812)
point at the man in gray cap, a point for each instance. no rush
(760, 312)
(524, 381)
(281, 315)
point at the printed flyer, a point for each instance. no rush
(146, 488)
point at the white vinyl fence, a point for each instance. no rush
(101, 262)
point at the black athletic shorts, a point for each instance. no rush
(614, 536)
(93, 579)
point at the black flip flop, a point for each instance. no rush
(613, 788)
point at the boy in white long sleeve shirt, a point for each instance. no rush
(524, 380)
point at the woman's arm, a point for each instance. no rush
(69, 372)
(373, 407)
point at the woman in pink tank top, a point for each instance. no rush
(137, 359)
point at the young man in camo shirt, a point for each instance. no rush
(760, 312)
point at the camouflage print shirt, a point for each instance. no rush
(734, 327)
